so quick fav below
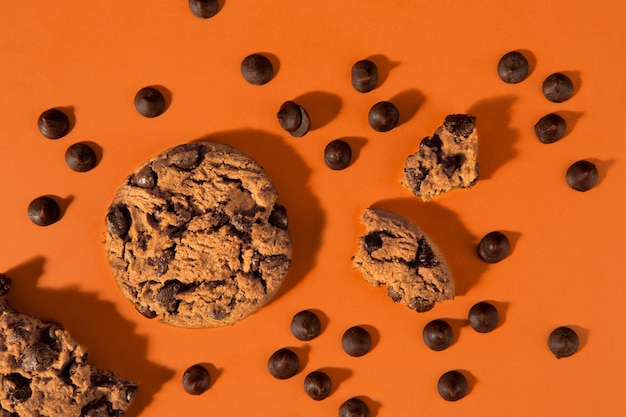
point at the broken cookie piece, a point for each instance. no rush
(44, 372)
(445, 161)
(396, 253)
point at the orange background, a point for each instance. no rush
(435, 58)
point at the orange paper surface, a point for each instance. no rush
(566, 266)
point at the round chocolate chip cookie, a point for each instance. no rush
(196, 238)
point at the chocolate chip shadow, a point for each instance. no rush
(384, 66)
(113, 346)
(321, 106)
(496, 137)
(454, 240)
(290, 174)
(408, 103)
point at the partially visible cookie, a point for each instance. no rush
(396, 253)
(45, 372)
(445, 161)
(195, 236)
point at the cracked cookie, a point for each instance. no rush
(195, 236)
(396, 253)
(45, 372)
(445, 161)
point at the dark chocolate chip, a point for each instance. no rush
(425, 256)
(337, 154)
(582, 175)
(383, 116)
(283, 364)
(145, 177)
(161, 263)
(257, 69)
(438, 335)
(53, 124)
(459, 124)
(100, 407)
(278, 217)
(550, 128)
(118, 221)
(17, 387)
(513, 67)
(80, 157)
(101, 378)
(452, 164)
(354, 407)
(393, 294)
(364, 76)
(305, 124)
(5, 284)
(204, 9)
(37, 357)
(149, 102)
(356, 341)
(372, 241)
(167, 295)
(196, 380)
(563, 342)
(145, 311)
(219, 313)
(317, 385)
(421, 305)
(452, 386)
(494, 247)
(483, 317)
(68, 370)
(289, 116)
(44, 211)
(184, 156)
(434, 143)
(305, 325)
(558, 88)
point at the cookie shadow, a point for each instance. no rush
(496, 137)
(454, 240)
(110, 338)
(321, 106)
(290, 174)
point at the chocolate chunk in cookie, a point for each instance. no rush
(196, 237)
(396, 253)
(445, 161)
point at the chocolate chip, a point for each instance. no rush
(184, 156)
(131, 391)
(80, 157)
(5, 284)
(421, 305)
(101, 378)
(167, 295)
(483, 317)
(305, 325)
(53, 124)
(305, 124)
(317, 385)
(100, 407)
(43, 211)
(149, 102)
(434, 143)
(289, 116)
(37, 357)
(337, 154)
(118, 221)
(145, 311)
(203, 9)
(364, 76)
(452, 386)
(582, 175)
(354, 407)
(283, 364)
(383, 116)
(550, 128)
(356, 341)
(452, 164)
(459, 124)
(425, 256)
(372, 241)
(17, 387)
(494, 247)
(438, 335)
(563, 342)
(257, 69)
(558, 88)
(145, 177)
(513, 67)
(393, 294)
(196, 379)
(278, 217)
